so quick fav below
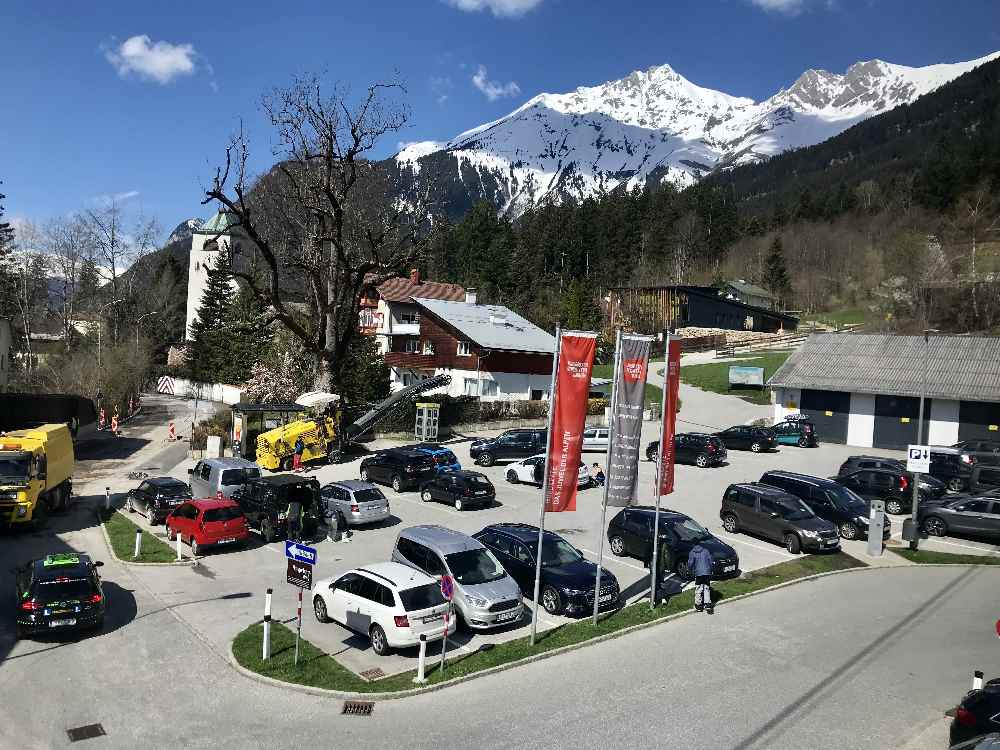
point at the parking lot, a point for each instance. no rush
(224, 592)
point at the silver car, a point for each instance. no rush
(213, 475)
(596, 439)
(359, 502)
(485, 595)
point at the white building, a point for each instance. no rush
(221, 232)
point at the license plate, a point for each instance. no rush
(432, 618)
(230, 540)
(832, 542)
(481, 492)
(729, 569)
(58, 623)
(605, 598)
(508, 616)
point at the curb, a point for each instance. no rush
(385, 696)
(111, 551)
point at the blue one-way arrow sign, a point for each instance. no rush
(300, 553)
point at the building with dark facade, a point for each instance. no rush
(864, 389)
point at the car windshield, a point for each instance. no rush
(15, 466)
(173, 490)
(446, 457)
(793, 510)
(845, 499)
(556, 552)
(421, 597)
(474, 566)
(690, 530)
(368, 496)
(57, 591)
(480, 481)
(238, 476)
(223, 514)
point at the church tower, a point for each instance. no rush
(215, 235)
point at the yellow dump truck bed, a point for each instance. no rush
(275, 447)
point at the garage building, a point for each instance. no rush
(864, 389)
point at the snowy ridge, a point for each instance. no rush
(656, 124)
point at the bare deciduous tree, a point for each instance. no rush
(323, 220)
(68, 244)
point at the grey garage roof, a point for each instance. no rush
(963, 368)
(491, 326)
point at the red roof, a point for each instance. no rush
(402, 288)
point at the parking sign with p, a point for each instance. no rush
(918, 459)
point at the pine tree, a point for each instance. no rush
(246, 336)
(776, 274)
(206, 353)
(365, 377)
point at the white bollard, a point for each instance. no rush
(977, 680)
(138, 543)
(421, 661)
(179, 556)
(107, 498)
(267, 626)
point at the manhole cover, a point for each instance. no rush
(358, 708)
(86, 733)
(373, 674)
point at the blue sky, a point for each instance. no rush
(138, 99)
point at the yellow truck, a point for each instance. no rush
(36, 473)
(276, 447)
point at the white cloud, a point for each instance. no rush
(499, 8)
(792, 7)
(440, 87)
(156, 61)
(493, 89)
(108, 199)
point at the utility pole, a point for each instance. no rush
(914, 540)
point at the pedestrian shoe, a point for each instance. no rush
(710, 610)
(697, 608)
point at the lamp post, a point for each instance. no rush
(137, 322)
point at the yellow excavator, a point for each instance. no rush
(276, 447)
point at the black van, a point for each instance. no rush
(777, 515)
(265, 503)
(401, 468)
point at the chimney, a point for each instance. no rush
(470, 296)
(415, 275)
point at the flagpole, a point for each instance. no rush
(607, 469)
(659, 469)
(545, 485)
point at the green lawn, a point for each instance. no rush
(121, 532)
(714, 376)
(318, 669)
(840, 317)
(926, 556)
(654, 393)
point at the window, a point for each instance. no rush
(881, 481)
(464, 350)
(471, 387)
(434, 565)
(413, 552)
(409, 318)
(411, 346)
(421, 597)
(206, 470)
(490, 388)
(474, 566)
(223, 514)
(428, 347)
(522, 554)
(975, 506)
(745, 499)
(238, 476)
(369, 589)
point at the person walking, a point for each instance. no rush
(295, 521)
(700, 563)
(297, 456)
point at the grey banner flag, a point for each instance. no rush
(626, 428)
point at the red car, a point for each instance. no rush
(207, 523)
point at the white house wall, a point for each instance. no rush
(861, 420)
(201, 261)
(943, 428)
(786, 401)
(511, 386)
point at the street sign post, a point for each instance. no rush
(876, 522)
(300, 568)
(447, 591)
(300, 552)
(300, 574)
(918, 459)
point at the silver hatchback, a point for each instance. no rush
(485, 594)
(211, 476)
(359, 502)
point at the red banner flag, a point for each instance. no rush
(576, 360)
(672, 385)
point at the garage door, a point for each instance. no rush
(896, 421)
(975, 419)
(829, 411)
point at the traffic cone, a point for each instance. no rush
(171, 431)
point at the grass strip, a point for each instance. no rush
(318, 669)
(121, 532)
(714, 376)
(937, 558)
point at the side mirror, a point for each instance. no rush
(190, 471)
(98, 564)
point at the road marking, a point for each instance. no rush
(755, 546)
(969, 546)
(614, 560)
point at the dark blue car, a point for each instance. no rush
(444, 458)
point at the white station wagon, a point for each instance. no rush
(392, 604)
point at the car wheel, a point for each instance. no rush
(682, 570)
(893, 507)
(756, 447)
(803, 443)
(849, 531)
(485, 459)
(617, 546)
(792, 544)
(267, 531)
(512, 477)
(397, 483)
(195, 547)
(171, 534)
(551, 600)
(128, 504)
(380, 644)
(935, 526)
(364, 475)
(730, 523)
(319, 609)
(955, 484)
(426, 496)
(459, 505)
(701, 461)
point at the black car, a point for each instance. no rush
(975, 516)
(698, 448)
(265, 502)
(463, 489)
(828, 499)
(777, 515)
(856, 463)
(509, 446)
(58, 592)
(952, 466)
(893, 486)
(987, 452)
(977, 714)
(567, 584)
(156, 497)
(748, 438)
(630, 534)
(401, 468)
(800, 432)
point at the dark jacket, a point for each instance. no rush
(700, 561)
(299, 446)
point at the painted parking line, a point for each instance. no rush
(987, 550)
(780, 553)
(614, 560)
